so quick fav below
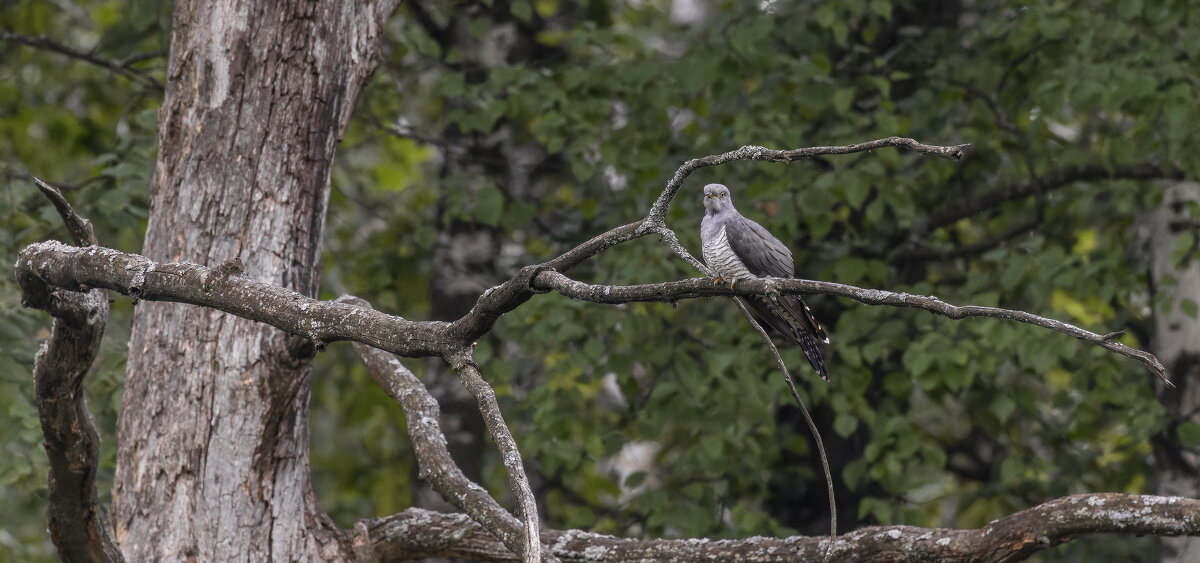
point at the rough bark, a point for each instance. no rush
(435, 465)
(212, 460)
(77, 524)
(1176, 341)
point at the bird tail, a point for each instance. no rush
(812, 351)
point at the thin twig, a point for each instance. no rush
(468, 371)
(121, 68)
(658, 211)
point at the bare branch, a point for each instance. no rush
(518, 482)
(415, 534)
(80, 228)
(63, 266)
(507, 296)
(123, 68)
(670, 292)
(434, 463)
(658, 211)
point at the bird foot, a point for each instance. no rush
(718, 280)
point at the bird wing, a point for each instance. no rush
(762, 253)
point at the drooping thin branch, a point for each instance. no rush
(123, 68)
(510, 454)
(77, 525)
(416, 534)
(812, 425)
(435, 466)
(668, 292)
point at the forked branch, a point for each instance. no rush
(49, 268)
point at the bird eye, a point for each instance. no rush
(723, 194)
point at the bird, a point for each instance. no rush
(737, 248)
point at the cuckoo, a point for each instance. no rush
(736, 248)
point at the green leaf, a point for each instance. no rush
(452, 84)
(842, 98)
(882, 8)
(1188, 307)
(845, 425)
(489, 205)
(1002, 406)
(1129, 9)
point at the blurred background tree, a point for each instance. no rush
(497, 133)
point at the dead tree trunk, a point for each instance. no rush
(212, 462)
(1176, 342)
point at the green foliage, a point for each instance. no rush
(80, 126)
(931, 421)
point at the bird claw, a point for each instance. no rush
(718, 280)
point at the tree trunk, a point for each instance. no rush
(1177, 345)
(212, 461)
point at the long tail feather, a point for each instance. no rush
(801, 328)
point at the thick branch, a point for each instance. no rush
(224, 289)
(415, 534)
(671, 292)
(77, 525)
(59, 265)
(434, 463)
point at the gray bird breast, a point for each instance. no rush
(722, 260)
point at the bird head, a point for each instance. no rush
(717, 198)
